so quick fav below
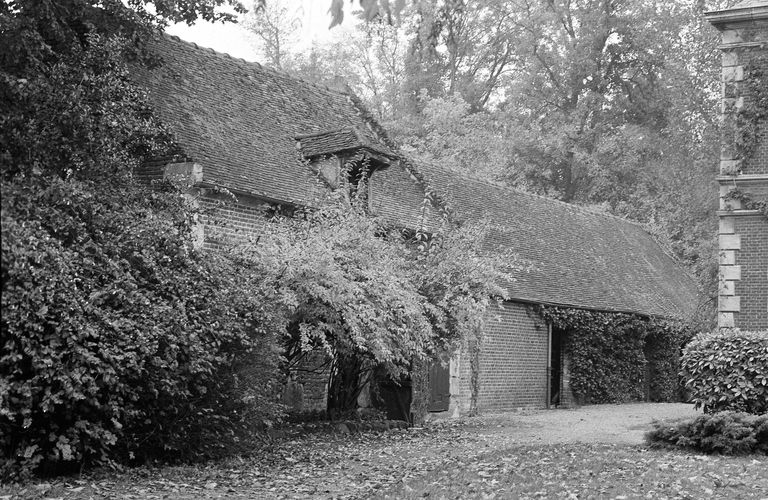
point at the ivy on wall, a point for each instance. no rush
(747, 201)
(748, 119)
(619, 357)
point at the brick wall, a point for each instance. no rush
(307, 386)
(743, 233)
(513, 360)
(752, 288)
(227, 221)
(150, 171)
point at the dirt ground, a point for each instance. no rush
(613, 424)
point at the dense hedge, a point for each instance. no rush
(728, 370)
(729, 433)
(119, 342)
(610, 354)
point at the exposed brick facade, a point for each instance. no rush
(227, 221)
(752, 288)
(513, 359)
(743, 233)
(307, 387)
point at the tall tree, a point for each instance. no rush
(275, 26)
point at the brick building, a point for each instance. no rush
(743, 176)
(274, 140)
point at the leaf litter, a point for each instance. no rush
(448, 460)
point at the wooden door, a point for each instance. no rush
(439, 386)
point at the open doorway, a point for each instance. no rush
(556, 367)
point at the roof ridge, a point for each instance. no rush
(498, 185)
(253, 65)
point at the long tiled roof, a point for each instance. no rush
(240, 120)
(579, 257)
(250, 128)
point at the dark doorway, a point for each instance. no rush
(556, 367)
(394, 398)
(439, 386)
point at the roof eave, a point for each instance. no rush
(591, 308)
(374, 152)
(721, 18)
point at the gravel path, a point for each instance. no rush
(615, 424)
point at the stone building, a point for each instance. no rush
(743, 176)
(277, 141)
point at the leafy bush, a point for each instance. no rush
(729, 433)
(369, 298)
(609, 354)
(119, 341)
(728, 370)
(662, 351)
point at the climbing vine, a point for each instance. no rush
(619, 357)
(745, 121)
(747, 201)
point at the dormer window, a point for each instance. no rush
(357, 173)
(345, 157)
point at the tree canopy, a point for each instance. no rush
(602, 103)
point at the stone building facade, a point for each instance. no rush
(743, 176)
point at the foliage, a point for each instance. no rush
(662, 352)
(469, 143)
(729, 433)
(728, 370)
(747, 120)
(275, 26)
(372, 9)
(608, 354)
(369, 296)
(747, 201)
(587, 102)
(120, 342)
